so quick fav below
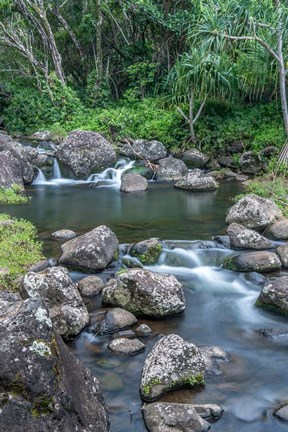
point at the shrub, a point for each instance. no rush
(13, 195)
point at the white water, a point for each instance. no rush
(40, 179)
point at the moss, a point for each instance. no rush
(192, 381)
(151, 256)
(229, 264)
(13, 195)
(121, 271)
(146, 389)
(16, 386)
(42, 405)
(271, 307)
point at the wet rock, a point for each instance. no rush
(142, 169)
(255, 278)
(196, 183)
(133, 183)
(251, 163)
(282, 251)
(223, 240)
(57, 290)
(40, 266)
(274, 296)
(41, 136)
(273, 333)
(172, 417)
(245, 238)
(143, 330)
(38, 391)
(278, 230)
(113, 321)
(144, 292)
(236, 147)
(254, 212)
(212, 356)
(282, 413)
(226, 162)
(171, 169)
(128, 347)
(148, 251)
(10, 171)
(84, 152)
(209, 410)
(242, 178)
(262, 262)
(212, 165)
(172, 363)
(64, 234)
(229, 174)
(90, 285)
(150, 150)
(126, 149)
(92, 251)
(194, 158)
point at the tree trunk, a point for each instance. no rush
(99, 51)
(282, 72)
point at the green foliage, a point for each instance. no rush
(13, 195)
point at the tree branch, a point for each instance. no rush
(256, 39)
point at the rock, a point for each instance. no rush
(148, 251)
(142, 169)
(282, 251)
(278, 230)
(64, 234)
(150, 150)
(229, 174)
(194, 158)
(212, 165)
(172, 417)
(236, 147)
(226, 162)
(254, 212)
(274, 295)
(251, 163)
(90, 285)
(212, 355)
(282, 413)
(172, 363)
(143, 330)
(245, 238)
(255, 278)
(40, 266)
(10, 171)
(143, 292)
(92, 251)
(57, 290)
(195, 183)
(126, 346)
(269, 151)
(43, 387)
(271, 333)
(133, 183)
(113, 321)
(262, 262)
(242, 178)
(209, 410)
(126, 149)
(84, 153)
(41, 136)
(170, 169)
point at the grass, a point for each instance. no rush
(13, 195)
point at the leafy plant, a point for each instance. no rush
(13, 195)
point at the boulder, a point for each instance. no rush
(126, 149)
(196, 183)
(143, 330)
(41, 136)
(282, 413)
(84, 153)
(170, 169)
(92, 251)
(113, 321)
(172, 417)
(269, 151)
(148, 251)
(144, 292)
(251, 163)
(172, 363)
(43, 387)
(254, 212)
(56, 289)
(125, 346)
(64, 234)
(212, 356)
(282, 251)
(262, 262)
(209, 410)
(90, 285)
(236, 146)
(133, 183)
(245, 238)
(273, 333)
(10, 171)
(278, 230)
(212, 165)
(226, 162)
(194, 158)
(274, 295)
(149, 150)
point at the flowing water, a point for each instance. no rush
(220, 304)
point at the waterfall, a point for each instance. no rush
(112, 176)
(56, 170)
(40, 179)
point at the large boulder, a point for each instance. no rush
(148, 251)
(245, 238)
(262, 262)
(195, 182)
(278, 230)
(274, 295)
(84, 152)
(172, 363)
(144, 292)
(149, 150)
(193, 158)
(10, 171)
(41, 136)
(92, 251)
(61, 296)
(170, 169)
(227, 162)
(251, 163)
(282, 251)
(254, 212)
(133, 183)
(43, 387)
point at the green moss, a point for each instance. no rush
(13, 195)
(121, 271)
(271, 307)
(192, 381)
(151, 256)
(146, 389)
(42, 405)
(16, 386)
(229, 264)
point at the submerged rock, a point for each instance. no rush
(274, 295)
(92, 251)
(245, 238)
(143, 330)
(148, 251)
(150, 150)
(90, 285)
(282, 413)
(170, 169)
(194, 158)
(172, 363)
(271, 333)
(196, 183)
(144, 292)
(64, 234)
(113, 321)
(209, 410)
(278, 230)
(126, 346)
(212, 356)
(262, 262)
(133, 183)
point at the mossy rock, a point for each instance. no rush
(148, 251)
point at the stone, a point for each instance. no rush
(172, 363)
(172, 417)
(149, 150)
(226, 162)
(126, 149)
(272, 333)
(209, 410)
(133, 183)
(84, 153)
(212, 356)
(236, 147)
(282, 413)
(146, 293)
(274, 295)
(194, 158)
(57, 290)
(148, 251)
(41, 136)
(197, 183)
(92, 251)
(212, 165)
(254, 212)
(261, 262)
(113, 321)
(40, 266)
(143, 330)
(10, 171)
(245, 238)
(269, 151)
(242, 178)
(278, 230)
(170, 169)
(251, 163)
(125, 346)
(90, 285)
(282, 251)
(44, 387)
(64, 234)
(255, 278)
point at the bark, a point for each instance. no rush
(99, 51)
(282, 71)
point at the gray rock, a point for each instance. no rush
(64, 234)
(173, 417)
(43, 387)
(143, 292)
(57, 290)
(212, 355)
(242, 178)
(245, 238)
(150, 150)
(251, 163)
(282, 413)
(125, 346)
(92, 251)
(84, 152)
(209, 410)
(113, 321)
(148, 251)
(172, 363)
(226, 162)
(133, 183)
(195, 183)
(126, 149)
(236, 147)
(143, 330)
(10, 171)
(255, 278)
(171, 169)
(261, 262)
(254, 212)
(274, 295)
(282, 251)
(90, 285)
(271, 333)
(41, 136)
(278, 230)
(40, 266)
(212, 165)
(269, 151)
(194, 158)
